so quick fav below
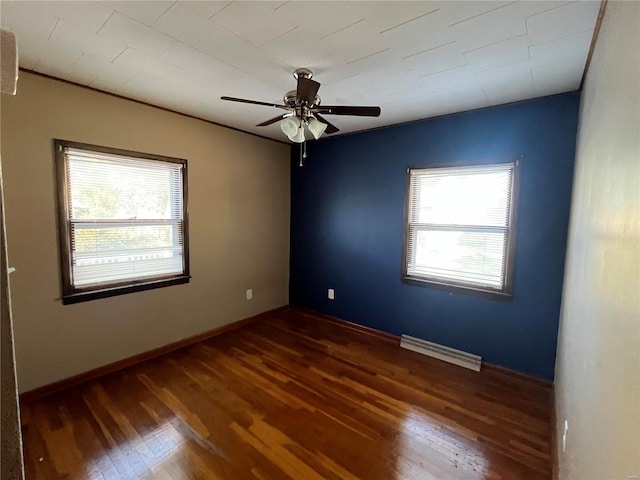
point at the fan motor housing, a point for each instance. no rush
(291, 99)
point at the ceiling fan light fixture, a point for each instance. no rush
(290, 127)
(304, 110)
(316, 127)
(299, 136)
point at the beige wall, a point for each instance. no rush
(239, 229)
(598, 364)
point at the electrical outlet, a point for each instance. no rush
(331, 294)
(249, 294)
(564, 436)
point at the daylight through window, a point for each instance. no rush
(459, 229)
(124, 220)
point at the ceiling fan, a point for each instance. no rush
(304, 109)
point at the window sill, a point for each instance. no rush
(453, 288)
(85, 296)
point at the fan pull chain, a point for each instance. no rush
(303, 152)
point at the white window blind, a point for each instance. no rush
(125, 218)
(459, 225)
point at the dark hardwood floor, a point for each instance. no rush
(296, 397)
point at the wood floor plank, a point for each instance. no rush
(295, 397)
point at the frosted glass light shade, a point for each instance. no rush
(290, 126)
(316, 128)
(299, 136)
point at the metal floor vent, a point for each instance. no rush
(451, 355)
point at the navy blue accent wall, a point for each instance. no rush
(347, 213)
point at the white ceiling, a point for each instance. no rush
(415, 59)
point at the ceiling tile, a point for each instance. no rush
(26, 19)
(154, 94)
(351, 90)
(205, 84)
(206, 9)
(193, 60)
(458, 11)
(90, 15)
(146, 12)
(256, 22)
(187, 25)
(300, 49)
(347, 56)
(560, 22)
(334, 80)
(508, 83)
(345, 41)
(557, 77)
(573, 48)
(145, 88)
(320, 19)
(513, 50)
(393, 83)
(297, 48)
(136, 35)
(452, 78)
(48, 57)
(397, 92)
(35, 51)
(146, 64)
(414, 59)
(387, 16)
(462, 97)
(421, 34)
(492, 27)
(435, 60)
(71, 36)
(533, 7)
(445, 89)
(103, 72)
(108, 77)
(184, 24)
(79, 73)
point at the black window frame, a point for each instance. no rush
(507, 291)
(72, 294)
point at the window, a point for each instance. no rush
(123, 221)
(459, 229)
